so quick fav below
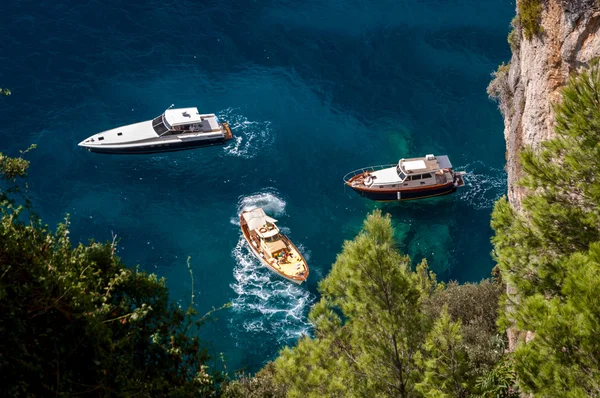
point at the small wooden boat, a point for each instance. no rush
(413, 178)
(271, 247)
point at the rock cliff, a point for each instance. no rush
(567, 38)
(526, 89)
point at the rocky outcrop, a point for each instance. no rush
(540, 66)
(528, 87)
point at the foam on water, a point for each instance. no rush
(268, 199)
(248, 136)
(483, 185)
(265, 302)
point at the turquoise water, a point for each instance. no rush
(312, 90)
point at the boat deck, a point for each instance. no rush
(282, 257)
(291, 265)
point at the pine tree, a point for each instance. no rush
(446, 369)
(549, 252)
(369, 350)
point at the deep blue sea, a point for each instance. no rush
(312, 89)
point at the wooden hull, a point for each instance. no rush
(262, 259)
(378, 194)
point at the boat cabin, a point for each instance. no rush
(185, 120)
(270, 239)
(266, 231)
(413, 172)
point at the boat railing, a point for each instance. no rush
(354, 173)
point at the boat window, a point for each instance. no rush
(160, 125)
(400, 173)
(273, 238)
(416, 177)
(428, 175)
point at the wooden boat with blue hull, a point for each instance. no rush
(174, 130)
(414, 178)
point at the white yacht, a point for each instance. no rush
(174, 130)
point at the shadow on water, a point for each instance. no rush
(444, 230)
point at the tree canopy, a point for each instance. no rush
(382, 329)
(75, 320)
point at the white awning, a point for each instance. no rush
(414, 165)
(257, 218)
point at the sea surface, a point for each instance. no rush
(312, 89)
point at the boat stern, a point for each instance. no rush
(459, 181)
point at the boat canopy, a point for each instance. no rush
(183, 116)
(411, 165)
(257, 218)
(422, 165)
(444, 162)
(276, 246)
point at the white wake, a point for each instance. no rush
(248, 136)
(265, 303)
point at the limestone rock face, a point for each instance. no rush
(539, 67)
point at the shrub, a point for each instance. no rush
(530, 12)
(514, 36)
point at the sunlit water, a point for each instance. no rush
(311, 89)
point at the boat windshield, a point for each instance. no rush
(160, 125)
(400, 173)
(273, 238)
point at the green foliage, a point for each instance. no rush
(563, 357)
(446, 369)
(11, 171)
(550, 251)
(500, 382)
(530, 13)
(427, 281)
(317, 368)
(514, 36)
(503, 69)
(262, 385)
(499, 89)
(561, 213)
(475, 306)
(382, 330)
(75, 320)
(371, 350)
